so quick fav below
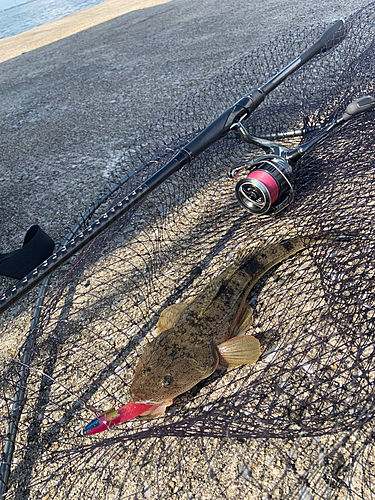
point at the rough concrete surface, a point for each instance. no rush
(70, 109)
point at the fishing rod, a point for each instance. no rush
(214, 132)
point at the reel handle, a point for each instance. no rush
(362, 105)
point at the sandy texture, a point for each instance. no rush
(69, 25)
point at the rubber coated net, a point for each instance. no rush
(298, 424)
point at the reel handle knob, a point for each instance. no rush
(366, 103)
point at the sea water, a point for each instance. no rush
(26, 16)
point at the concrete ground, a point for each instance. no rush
(70, 109)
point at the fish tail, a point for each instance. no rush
(268, 253)
(328, 237)
(288, 246)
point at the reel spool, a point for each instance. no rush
(268, 187)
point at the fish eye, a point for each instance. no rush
(165, 381)
(146, 370)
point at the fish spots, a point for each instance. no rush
(146, 371)
(289, 245)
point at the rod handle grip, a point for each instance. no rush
(362, 105)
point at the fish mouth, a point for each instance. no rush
(165, 402)
(156, 409)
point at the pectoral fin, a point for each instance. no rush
(171, 314)
(245, 320)
(238, 351)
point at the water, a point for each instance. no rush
(37, 12)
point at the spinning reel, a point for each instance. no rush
(268, 186)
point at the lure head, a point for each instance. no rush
(167, 369)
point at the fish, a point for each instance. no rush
(203, 334)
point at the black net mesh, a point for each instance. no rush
(299, 423)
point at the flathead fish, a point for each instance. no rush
(198, 336)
